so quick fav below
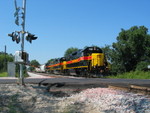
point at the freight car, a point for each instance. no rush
(88, 62)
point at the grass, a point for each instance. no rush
(3, 74)
(25, 75)
(133, 75)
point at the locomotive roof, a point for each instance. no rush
(93, 48)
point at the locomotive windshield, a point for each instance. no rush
(89, 50)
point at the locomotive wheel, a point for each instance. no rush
(68, 72)
(88, 74)
(78, 72)
(84, 73)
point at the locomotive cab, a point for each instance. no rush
(97, 63)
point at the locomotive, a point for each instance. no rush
(87, 62)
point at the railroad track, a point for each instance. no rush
(132, 88)
(78, 83)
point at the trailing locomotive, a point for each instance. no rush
(88, 62)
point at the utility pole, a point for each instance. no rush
(22, 44)
(5, 64)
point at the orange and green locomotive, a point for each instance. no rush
(88, 62)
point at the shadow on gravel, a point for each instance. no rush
(11, 104)
(66, 90)
(59, 94)
(57, 90)
(53, 89)
(77, 107)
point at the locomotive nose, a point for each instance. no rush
(97, 59)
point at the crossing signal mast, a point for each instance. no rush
(19, 36)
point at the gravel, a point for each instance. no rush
(106, 100)
(35, 99)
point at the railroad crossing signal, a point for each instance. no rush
(15, 36)
(30, 37)
(16, 14)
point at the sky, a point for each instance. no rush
(61, 24)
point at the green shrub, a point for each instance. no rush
(133, 75)
(142, 65)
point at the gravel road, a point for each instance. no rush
(35, 99)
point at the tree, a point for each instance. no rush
(70, 50)
(4, 59)
(34, 63)
(142, 66)
(107, 50)
(132, 47)
(50, 60)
